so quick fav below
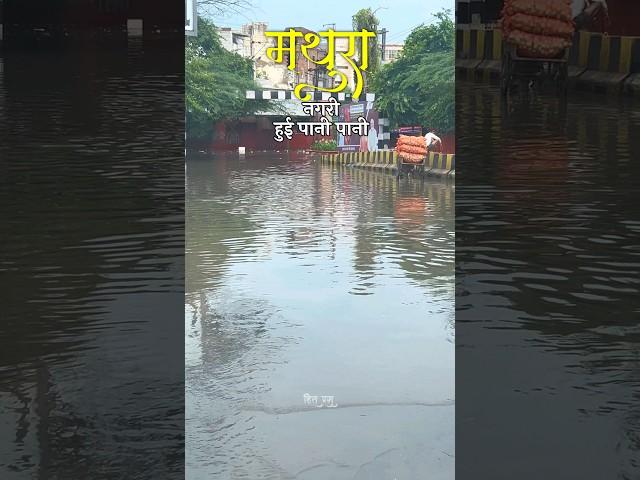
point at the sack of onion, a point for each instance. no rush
(412, 149)
(556, 9)
(410, 140)
(541, 29)
(543, 46)
(545, 26)
(411, 157)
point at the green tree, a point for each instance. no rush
(435, 37)
(366, 18)
(418, 88)
(215, 81)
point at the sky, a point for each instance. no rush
(399, 17)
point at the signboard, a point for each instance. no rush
(191, 18)
(349, 112)
(415, 131)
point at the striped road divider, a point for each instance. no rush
(436, 164)
(479, 51)
(598, 61)
(440, 164)
(605, 62)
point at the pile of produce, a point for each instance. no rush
(411, 149)
(538, 29)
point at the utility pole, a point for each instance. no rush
(383, 34)
(251, 40)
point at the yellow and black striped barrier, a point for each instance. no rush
(439, 164)
(604, 62)
(381, 159)
(478, 51)
(479, 44)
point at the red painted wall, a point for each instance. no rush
(623, 16)
(448, 143)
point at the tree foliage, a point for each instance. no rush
(366, 18)
(418, 88)
(221, 8)
(216, 81)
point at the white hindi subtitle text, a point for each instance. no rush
(321, 127)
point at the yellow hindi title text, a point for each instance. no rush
(286, 50)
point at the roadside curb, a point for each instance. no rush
(436, 164)
(631, 85)
(597, 62)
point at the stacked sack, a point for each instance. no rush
(541, 29)
(411, 149)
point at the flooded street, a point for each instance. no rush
(310, 279)
(547, 297)
(91, 264)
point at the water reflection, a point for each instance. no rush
(545, 230)
(303, 278)
(88, 314)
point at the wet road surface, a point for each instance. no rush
(548, 337)
(311, 279)
(91, 264)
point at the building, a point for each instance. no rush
(307, 71)
(250, 42)
(258, 42)
(236, 41)
(276, 75)
(342, 46)
(391, 52)
(255, 132)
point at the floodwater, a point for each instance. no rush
(548, 277)
(305, 278)
(91, 264)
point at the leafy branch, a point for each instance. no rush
(418, 88)
(216, 81)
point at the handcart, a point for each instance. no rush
(525, 69)
(405, 165)
(410, 168)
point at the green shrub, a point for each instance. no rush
(324, 145)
